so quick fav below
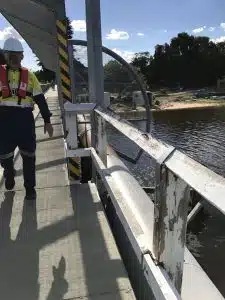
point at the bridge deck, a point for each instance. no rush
(62, 247)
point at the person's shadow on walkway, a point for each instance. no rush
(59, 285)
(19, 259)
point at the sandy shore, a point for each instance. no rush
(171, 106)
(127, 112)
(190, 105)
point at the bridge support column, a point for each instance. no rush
(96, 75)
(66, 86)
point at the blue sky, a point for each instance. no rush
(130, 26)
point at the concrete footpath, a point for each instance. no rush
(60, 247)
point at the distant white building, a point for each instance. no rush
(84, 98)
(138, 98)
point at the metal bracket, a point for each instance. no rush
(79, 152)
(160, 162)
(71, 111)
(81, 108)
(163, 158)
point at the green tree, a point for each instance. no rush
(114, 71)
(116, 77)
(188, 61)
(69, 29)
(142, 62)
(45, 75)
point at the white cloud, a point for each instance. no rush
(140, 34)
(222, 25)
(81, 54)
(212, 28)
(29, 60)
(198, 30)
(117, 35)
(165, 30)
(8, 32)
(127, 55)
(219, 39)
(79, 25)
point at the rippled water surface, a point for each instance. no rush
(201, 135)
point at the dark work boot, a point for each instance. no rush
(31, 194)
(29, 177)
(9, 179)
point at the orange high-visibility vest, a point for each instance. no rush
(22, 86)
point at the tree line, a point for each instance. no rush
(187, 61)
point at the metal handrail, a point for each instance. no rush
(175, 173)
(207, 183)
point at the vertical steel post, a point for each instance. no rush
(65, 85)
(171, 207)
(60, 97)
(96, 74)
(59, 14)
(72, 71)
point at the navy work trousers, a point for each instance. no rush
(17, 129)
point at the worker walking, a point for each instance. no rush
(19, 91)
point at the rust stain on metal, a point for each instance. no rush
(179, 277)
(183, 213)
(172, 222)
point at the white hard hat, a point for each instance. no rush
(12, 44)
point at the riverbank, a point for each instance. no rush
(187, 100)
(127, 112)
(190, 105)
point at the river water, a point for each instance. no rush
(201, 135)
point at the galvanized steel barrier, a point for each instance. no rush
(175, 174)
(164, 226)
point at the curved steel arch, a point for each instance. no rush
(138, 80)
(131, 71)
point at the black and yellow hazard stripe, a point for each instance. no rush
(64, 60)
(74, 166)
